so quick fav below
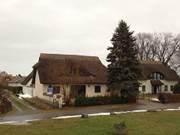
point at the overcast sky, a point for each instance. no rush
(30, 27)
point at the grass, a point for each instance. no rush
(18, 102)
(154, 123)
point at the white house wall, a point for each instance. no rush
(148, 86)
(28, 89)
(169, 84)
(40, 89)
(15, 85)
(90, 90)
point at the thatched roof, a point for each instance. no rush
(70, 69)
(149, 67)
(77, 69)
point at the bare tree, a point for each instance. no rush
(144, 44)
(164, 47)
(158, 46)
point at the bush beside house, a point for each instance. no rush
(88, 101)
(14, 90)
(177, 89)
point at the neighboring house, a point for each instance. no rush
(157, 77)
(16, 81)
(72, 76)
(28, 87)
(68, 75)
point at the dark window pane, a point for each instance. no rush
(166, 88)
(56, 89)
(97, 89)
(143, 88)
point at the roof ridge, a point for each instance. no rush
(66, 55)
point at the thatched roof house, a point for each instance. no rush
(157, 77)
(77, 72)
(69, 69)
(149, 67)
(87, 75)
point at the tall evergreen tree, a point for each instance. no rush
(123, 68)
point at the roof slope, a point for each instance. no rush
(27, 79)
(70, 69)
(149, 67)
(17, 79)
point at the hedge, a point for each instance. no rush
(168, 98)
(177, 89)
(14, 90)
(88, 101)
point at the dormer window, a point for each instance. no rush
(156, 76)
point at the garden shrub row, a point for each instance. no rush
(88, 101)
(168, 97)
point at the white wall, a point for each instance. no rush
(28, 89)
(90, 90)
(168, 83)
(40, 89)
(14, 84)
(148, 86)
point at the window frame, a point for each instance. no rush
(166, 88)
(172, 87)
(53, 90)
(156, 76)
(143, 88)
(97, 90)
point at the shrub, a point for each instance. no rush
(168, 97)
(14, 90)
(5, 104)
(88, 101)
(130, 90)
(177, 88)
(120, 129)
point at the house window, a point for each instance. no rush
(56, 89)
(53, 89)
(156, 76)
(165, 88)
(50, 90)
(172, 87)
(143, 88)
(97, 89)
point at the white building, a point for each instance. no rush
(157, 77)
(16, 82)
(68, 75)
(72, 76)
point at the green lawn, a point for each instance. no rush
(155, 123)
(18, 102)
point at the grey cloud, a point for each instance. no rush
(29, 27)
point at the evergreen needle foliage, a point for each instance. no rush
(123, 68)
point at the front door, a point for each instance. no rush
(78, 91)
(156, 89)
